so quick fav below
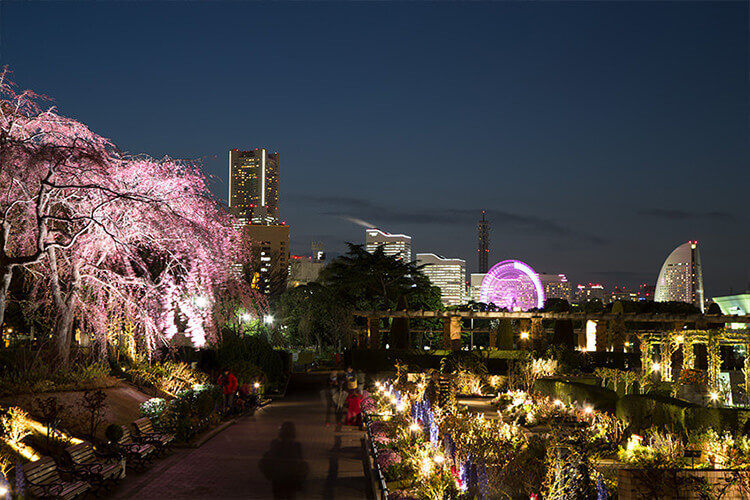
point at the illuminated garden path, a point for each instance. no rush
(227, 465)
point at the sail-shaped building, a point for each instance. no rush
(681, 276)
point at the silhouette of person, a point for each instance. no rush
(283, 464)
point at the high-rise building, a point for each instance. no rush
(592, 291)
(447, 274)
(483, 246)
(270, 249)
(254, 185)
(396, 245)
(475, 285)
(556, 286)
(681, 277)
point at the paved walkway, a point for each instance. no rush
(227, 465)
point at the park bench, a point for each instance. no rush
(93, 467)
(43, 481)
(138, 454)
(146, 433)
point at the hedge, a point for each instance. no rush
(642, 412)
(578, 392)
(717, 418)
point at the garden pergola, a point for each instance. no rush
(452, 321)
(686, 340)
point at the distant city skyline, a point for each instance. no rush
(597, 135)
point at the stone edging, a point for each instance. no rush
(205, 437)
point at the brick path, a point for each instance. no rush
(227, 465)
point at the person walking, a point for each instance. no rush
(228, 383)
(331, 394)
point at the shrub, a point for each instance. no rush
(689, 376)
(153, 408)
(15, 423)
(190, 412)
(168, 377)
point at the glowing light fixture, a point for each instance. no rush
(524, 335)
(655, 367)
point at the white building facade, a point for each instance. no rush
(394, 245)
(447, 274)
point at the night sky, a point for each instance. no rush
(597, 135)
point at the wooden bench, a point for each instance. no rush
(138, 454)
(92, 467)
(146, 433)
(43, 481)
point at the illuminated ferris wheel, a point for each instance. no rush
(513, 285)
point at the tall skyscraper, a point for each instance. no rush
(483, 248)
(449, 275)
(556, 286)
(254, 185)
(393, 244)
(681, 276)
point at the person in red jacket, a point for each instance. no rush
(228, 383)
(354, 410)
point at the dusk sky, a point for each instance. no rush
(597, 135)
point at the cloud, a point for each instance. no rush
(680, 215)
(356, 209)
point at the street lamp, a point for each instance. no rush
(268, 319)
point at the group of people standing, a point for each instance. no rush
(344, 391)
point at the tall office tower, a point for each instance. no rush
(270, 250)
(254, 185)
(681, 276)
(393, 244)
(448, 275)
(475, 285)
(556, 286)
(483, 249)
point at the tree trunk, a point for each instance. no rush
(65, 304)
(5, 279)
(63, 336)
